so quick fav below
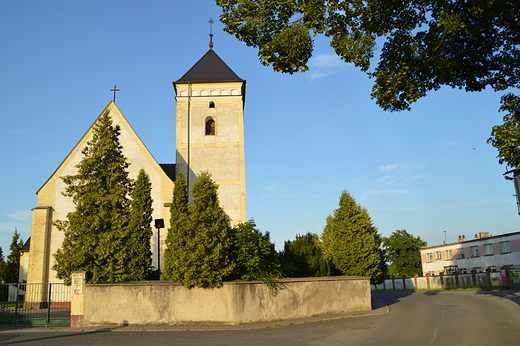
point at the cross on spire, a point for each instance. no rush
(115, 90)
(211, 21)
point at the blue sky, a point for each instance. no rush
(309, 136)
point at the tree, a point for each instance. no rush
(425, 44)
(200, 244)
(352, 242)
(403, 252)
(506, 137)
(12, 265)
(253, 253)
(138, 254)
(179, 240)
(95, 233)
(303, 257)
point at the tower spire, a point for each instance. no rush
(211, 21)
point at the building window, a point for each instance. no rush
(478, 269)
(493, 268)
(474, 251)
(449, 254)
(488, 249)
(460, 254)
(438, 255)
(210, 127)
(504, 247)
(429, 257)
(431, 272)
(211, 104)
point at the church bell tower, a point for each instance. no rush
(210, 130)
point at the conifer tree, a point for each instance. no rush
(2, 265)
(138, 257)
(95, 231)
(352, 242)
(179, 239)
(199, 245)
(12, 265)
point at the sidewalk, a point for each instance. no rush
(378, 307)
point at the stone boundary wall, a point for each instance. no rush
(156, 303)
(489, 279)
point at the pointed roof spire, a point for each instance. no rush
(210, 68)
(211, 21)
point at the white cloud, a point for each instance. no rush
(22, 215)
(389, 168)
(323, 65)
(394, 192)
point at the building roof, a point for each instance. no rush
(210, 68)
(428, 247)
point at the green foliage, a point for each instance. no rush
(506, 137)
(179, 240)
(352, 242)
(137, 249)
(303, 257)
(95, 233)
(199, 253)
(10, 269)
(402, 251)
(253, 253)
(424, 44)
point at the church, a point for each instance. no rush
(209, 137)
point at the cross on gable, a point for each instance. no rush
(115, 90)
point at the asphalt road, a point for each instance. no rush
(430, 318)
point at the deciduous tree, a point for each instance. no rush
(422, 45)
(402, 251)
(253, 253)
(506, 137)
(96, 230)
(303, 257)
(352, 241)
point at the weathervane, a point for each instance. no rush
(114, 90)
(211, 21)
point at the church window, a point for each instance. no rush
(211, 104)
(224, 92)
(203, 93)
(214, 92)
(210, 127)
(184, 93)
(234, 92)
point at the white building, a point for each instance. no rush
(482, 252)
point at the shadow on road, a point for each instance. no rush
(391, 298)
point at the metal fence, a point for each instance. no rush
(35, 304)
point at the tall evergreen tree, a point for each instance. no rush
(403, 252)
(95, 231)
(179, 239)
(254, 253)
(12, 265)
(2, 265)
(138, 257)
(352, 242)
(303, 257)
(200, 249)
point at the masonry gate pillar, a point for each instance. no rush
(77, 306)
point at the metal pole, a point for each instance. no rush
(159, 250)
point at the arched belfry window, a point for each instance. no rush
(210, 126)
(211, 104)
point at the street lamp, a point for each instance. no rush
(159, 223)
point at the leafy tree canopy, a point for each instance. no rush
(352, 241)
(303, 257)
(253, 253)
(506, 137)
(402, 251)
(425, 44)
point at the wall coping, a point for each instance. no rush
(236, 282)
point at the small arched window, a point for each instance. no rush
(210, 127)
(211, 104)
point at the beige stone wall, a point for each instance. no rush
(236, 302)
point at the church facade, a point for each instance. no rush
(209, 137)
